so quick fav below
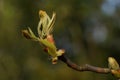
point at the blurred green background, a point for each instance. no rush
(89, 31)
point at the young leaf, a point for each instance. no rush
(28, 34)
(45, 25)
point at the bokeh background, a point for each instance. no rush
(89, 31)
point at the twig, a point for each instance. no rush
(85, 67)
(46, 39)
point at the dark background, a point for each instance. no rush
(89, 31)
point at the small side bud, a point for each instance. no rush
(26, 34)
(54, 60)
(60, 52)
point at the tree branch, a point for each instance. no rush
(46, 39)
(85, 67)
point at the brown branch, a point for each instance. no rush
(85, 67)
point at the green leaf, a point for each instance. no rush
(28, 34)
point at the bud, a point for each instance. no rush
(26, 34)
(112, 63)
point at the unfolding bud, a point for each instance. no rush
(45, 28)
(113, 64)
